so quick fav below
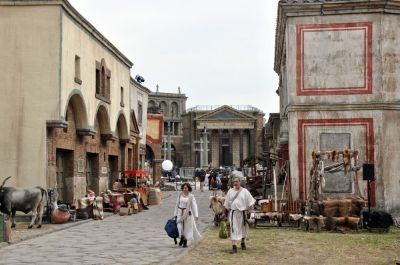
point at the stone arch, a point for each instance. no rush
(122, 127)
(103, 119)
(164, 107)
(174, 109)
(149, 153)
(79, 108)
(151, 104)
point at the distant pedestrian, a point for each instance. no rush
(202, 179)
(187, 215)
(238, 201)
(209, 179)
(214, 185)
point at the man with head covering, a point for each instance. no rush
(238, 201)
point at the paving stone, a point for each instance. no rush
(135, 239)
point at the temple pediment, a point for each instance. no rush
(225, 113)
(225, 117)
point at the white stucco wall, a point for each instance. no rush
(139, 95)
(30, 74)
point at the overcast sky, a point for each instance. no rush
(218, 51)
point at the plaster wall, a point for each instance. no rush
(77, 41)
(366, 135)
(334, 59)
(388, 158)
(30, 74)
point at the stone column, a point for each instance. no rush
(231, 147)
(205, 147)
(220, 147)
(241, 147)
(157, 170)
(251, 142)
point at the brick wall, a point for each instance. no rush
(77, 148)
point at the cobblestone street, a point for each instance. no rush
(135, 239)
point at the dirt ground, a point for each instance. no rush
(294, 246)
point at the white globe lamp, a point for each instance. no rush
(167, 165)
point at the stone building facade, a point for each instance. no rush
(233, 134)
(139, 102)
(172, 106)
(65, 109)
(338, 63)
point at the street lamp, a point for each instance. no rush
(169, 135)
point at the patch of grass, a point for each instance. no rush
(285, 246)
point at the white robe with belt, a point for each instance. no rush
(242, 203)
(185, 222)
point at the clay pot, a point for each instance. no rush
(59, 216)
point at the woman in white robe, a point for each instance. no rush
(237, 201)
(187, 215)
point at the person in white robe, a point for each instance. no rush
(238, 200)
(187, 215)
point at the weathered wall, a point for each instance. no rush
(340, 76)
(309, 132)
(30, 74)
(348, 67)
(388, 158)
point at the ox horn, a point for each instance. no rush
(4, 182)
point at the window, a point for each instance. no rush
(98, 75)
(122, 97)
(174, 110)
(176, 128)
(140, 113)
(103, 81)
(78, 70)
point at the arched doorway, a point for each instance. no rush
(66, 161)
(123, 139)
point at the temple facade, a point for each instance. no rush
(221, 135)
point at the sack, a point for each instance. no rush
(123, 211)
(171, 228)
(223, 229)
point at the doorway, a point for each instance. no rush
(226, 156)
(226, 152)
(113, 169)
(92, 172)
(64, 171)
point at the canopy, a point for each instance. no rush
(135, 173)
